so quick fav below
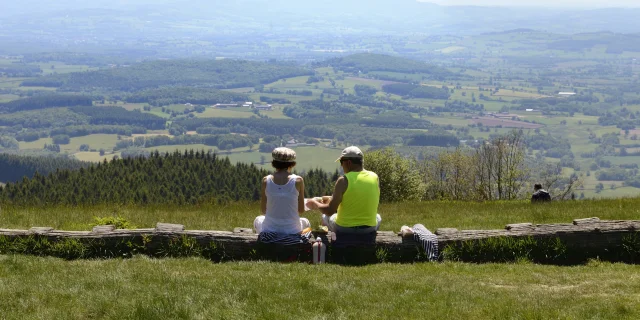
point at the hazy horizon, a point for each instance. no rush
(539, 3)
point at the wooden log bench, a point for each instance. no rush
(589, 235)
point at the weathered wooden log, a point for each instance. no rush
(103, 229)
(243, 230)
(586, 221)
(583, 234)
(40, 230)
(168, 227)
(519, 226)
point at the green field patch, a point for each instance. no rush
(517, 94)
(95, 141)
(350, 82)
(158, 112)
(276, 113)
(8, 97)
(623, 160)
(240, 90)
(151, 133)
(413, 77)
(226, 113)
(54, 67)
(10, 83)
(296, 83)
(293, 98)
(38, 144)
(94, 156)
(459, 122)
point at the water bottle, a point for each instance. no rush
(319, 251)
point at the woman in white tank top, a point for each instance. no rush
(282, 199)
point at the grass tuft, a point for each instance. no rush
(117, 221)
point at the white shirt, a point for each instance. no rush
(282, 207)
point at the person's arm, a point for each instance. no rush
(332, 207)
(263, 196)
(300, 187)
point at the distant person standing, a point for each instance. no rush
(539, 194)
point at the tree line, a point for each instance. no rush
(120, 116)
(85, 130)
(191, 177)
(174, 95)
(367, 62)
(495, 170)
(153, 74)
(417, 91)
(222, 141)
(14, 168)
(45, 101)
(42, 119)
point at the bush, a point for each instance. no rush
(399, 180)
(267, 147)
(61, 139)
(118, 222)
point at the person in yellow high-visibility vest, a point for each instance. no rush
(354, 205)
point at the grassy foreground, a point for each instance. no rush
(461, 215)
(144, 288)
(194, 288)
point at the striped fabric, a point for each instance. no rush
(428, 240)
(285, 239)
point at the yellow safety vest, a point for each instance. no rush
(359, 205)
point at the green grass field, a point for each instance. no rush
(94, 156)
(276, 113)
(461, 215)
(8, 97)
(95, 141)
(194, 288)
(143, 288)
(60, 67)
(127, 106)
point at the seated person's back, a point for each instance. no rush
(539, 194)
(353, 209)
(282, 206)
(282, 198)
(359, 206)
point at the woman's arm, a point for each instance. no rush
(263, 196)
(300, 187)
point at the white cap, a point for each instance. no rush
(351, 153)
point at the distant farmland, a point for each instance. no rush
(505, 123)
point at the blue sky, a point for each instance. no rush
(543, 3)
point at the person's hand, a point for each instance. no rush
(313, 204)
